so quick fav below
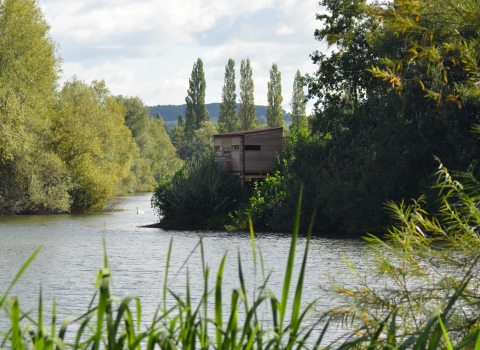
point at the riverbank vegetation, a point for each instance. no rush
(399, 88)
(200, 195)
(68, 148)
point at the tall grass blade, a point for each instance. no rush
(254, 255)
(139, 313)
(18, 275)
(167, 267)
(39, 341)
(206, 274)
(301, 278)
(15, 321)
(477, 344)
(218, 302)
(54, 319)
(102, 305)
(445, 334)
(291, 259)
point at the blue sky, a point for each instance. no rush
(147, 48)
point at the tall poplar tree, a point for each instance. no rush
(196, 111)
(228, 118)
(298, 103)
(180, 120)
(275, 99)
(247, 114)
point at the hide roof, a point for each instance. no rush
(245, 132)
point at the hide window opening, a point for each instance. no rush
(218, 148)
(252, 147)
(235, 147)
(226, 149)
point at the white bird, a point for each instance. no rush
(141, 212)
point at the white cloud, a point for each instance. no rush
(147, 47)
(285, 30)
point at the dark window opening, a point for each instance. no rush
(252, 147)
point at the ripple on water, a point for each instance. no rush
(72, 253)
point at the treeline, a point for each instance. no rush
(397, 94)
(192, 136)
(170, 113)
(201, 194)
(68, 149)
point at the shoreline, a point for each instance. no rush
(327, 233)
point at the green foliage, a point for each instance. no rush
(32, 179)
(93, 142)
(247, 113)
(440, 44)
(66, 150)
(275, 98)
(370, 144)
(198, 192)
(181, 120)
(157, 158)
(196, 112)
(228, 119)
(298, 104)
(268, 196)
(426, 277)
(197, 145)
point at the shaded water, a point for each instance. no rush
(72, 254)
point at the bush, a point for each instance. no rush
(200, 193)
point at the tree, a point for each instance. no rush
(275, 99)
(32, 178)
(298, 103)
(371, 144)
(180, 121)
(228, 118)
(197, 145)
(196, 110)
(247, 113)
(157, 158)
(441, 43)
(93, 141)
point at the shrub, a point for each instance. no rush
(197, 194)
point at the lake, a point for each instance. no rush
(72, 254)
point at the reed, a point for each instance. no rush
(113, 323)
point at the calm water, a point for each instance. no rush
(72, 254)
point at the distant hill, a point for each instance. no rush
(170, 113)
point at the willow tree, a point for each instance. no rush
(32, 179)
(196, 110)
(275, 98)
(228, 118)
(247, 113)
(298, 103)
(93, 141)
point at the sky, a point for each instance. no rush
(147, 48)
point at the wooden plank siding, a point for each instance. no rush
(255, 163)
